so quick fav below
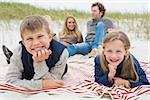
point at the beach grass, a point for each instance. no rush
(14, 11)
(17, 11)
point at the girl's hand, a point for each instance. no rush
(112, 71)
(121, 82)
(52, 84)
(41, 55)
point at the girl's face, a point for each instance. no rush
(114, 52)
(36, 41)
(70, 24)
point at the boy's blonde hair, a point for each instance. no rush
(33, 24)
(128, 69)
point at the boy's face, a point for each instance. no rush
(96, 14)
(36, 41)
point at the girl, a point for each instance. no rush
(116, 65)
(70, 34)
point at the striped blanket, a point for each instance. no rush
(80, 81)
(87, 89)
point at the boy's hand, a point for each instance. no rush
(121, 82)
(112, 71)
(52, 84)
(41, 55)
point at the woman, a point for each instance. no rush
(71, 33)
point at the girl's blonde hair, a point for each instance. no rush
(128, 69)
(76, 32)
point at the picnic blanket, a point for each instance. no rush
(80, 81)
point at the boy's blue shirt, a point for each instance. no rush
(102, 78)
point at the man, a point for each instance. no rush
(96, 30)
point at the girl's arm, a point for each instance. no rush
(100, 77)
(121, 82)
(142, 76)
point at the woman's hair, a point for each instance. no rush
(76, 32)
(128, 69)
(49, 20)
(33, 24)
(100, 6)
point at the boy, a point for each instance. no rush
(39, 62)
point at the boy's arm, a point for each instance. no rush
(100, 77)
(57, 71)
(14, 73)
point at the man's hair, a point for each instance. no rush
(33, 24)
(100, 6)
